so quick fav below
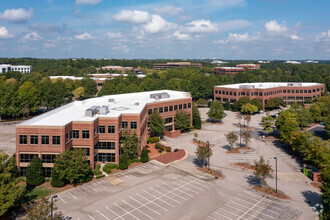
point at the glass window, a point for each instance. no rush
(161, 110)
(44, 139)
(309, 91)
(111, 129)
(180, 106)
(101, 129)
(26, 158)
(56, 140)
(48, 158)
(216, 91)
(133, 125)
(34, 139)
(23, 139)
(85, 134)
(301, 91)
(313, 90)
(284, 90)
(105, 145)
(171, 108)
(226, 92)
(189, 105)
(47, 171)
(168, 120)
(105, 157)
(166, 109)
(124, 124)
(22, 171)
(66, 138)
(175, 107)
(184, 106)
(74, 134)
(297, 91)
(149, 111)
(155, 109)
(230, 93)
(169, 128)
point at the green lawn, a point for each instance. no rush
(39, 192)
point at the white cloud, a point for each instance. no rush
(201, 26)
(234, 24)
(180, 36)
(274, 27)
(122, 48)
(83, 36)
(168, 10)
(87, 2)
(239, 37)
(19, 15)
(4, 34)
(323, 36)
(32, 36)
(228, 3)
(113, 35)
(294, 37)
(158, 24)
(132, 17)
(48, 45)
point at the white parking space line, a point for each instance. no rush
(145, 206)
(266, 199)
(227, 212)
(91, 187)
(137, 209)
(260, 203)
(245, 201)
(140, 170)
(173, 193)
(151, 202)
(165, 195)
(100, 184)
(72, 195)
(114, 213)
(82, 191)
(102, 214)
(126, 212)
(192, 185)
(240, 209)
(61, 199)
(200, 184)
(159, 198)
(223, 216)
(185, 187)
(252, 207)
(212, 217)
(178, 190)
(90, 217)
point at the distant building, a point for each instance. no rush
(4, 68)
(218, 62)
(292, 62)
(289, 92)
(176, 65)
(249, 66)
(228, 70)
(312, 61)
(120, 69)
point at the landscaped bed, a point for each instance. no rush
(170, 156)
(215, 173)
(271, 191)
(246, 166)
(234, 151)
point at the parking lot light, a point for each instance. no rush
(51, 206)
(275, 174)
(208, 152)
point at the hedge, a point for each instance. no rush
(100, 176)
(154, 140)
(163, 147)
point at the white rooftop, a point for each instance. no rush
(229, 68)
(120, 104)
(266, 85)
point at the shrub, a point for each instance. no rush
(168, 149)
(97, 172)
(100, 176)
(34, 173)
(144, 155)
(159, 146)
(47, 179)
(56, 181)
(123, 164)
(107, 168)
(98, 166)
(154, 140)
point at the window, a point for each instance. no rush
(189, 105)
(47, 171)
(105, 157)
(105, 145)
(216, 91)
(168, 120)
(155, 109)
(305, 91)
(223, 92)
(226, 92)
(289, 90)
(313, 90)
(100, 84)
(292, 91)
(301, 91)
(234, 93)
(85, 134)
(284, 91)
(297, 91)
(26, 158)
(180, 106)
(124, 124)
(309, 91)
(169, 128)
(101, 129)
(171, 108)
(318, 89)
(243, 93)
(247, 93)
(74, 134)
(48, 158)
(22, 171)
(149, 111)
(23, 139)
(161, 110)
(133, 125)
(230, 93)
(111, 129)
(175, 107)
(260, 93)
(166, 109)
(185, 106)
(66, 138)
(34, 139)
(44, 139)
(56, 140)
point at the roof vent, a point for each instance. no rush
(103, 110)
(294, 84)
(161, 95)
(111, 100)
(136, 103)
(246, 86)
(92, 111)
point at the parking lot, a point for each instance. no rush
(8, 138)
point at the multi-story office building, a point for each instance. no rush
(4, 68)
(96, 125)
(121, 69)
(289, 92)
(228, 70)
(176, 65)
(249, 66)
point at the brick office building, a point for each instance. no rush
(228, 70)
(169, 65)
(96, 125)
(249, 66)
(289, 92)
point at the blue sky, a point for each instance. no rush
(225, 29)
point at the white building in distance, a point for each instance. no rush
(4, 68)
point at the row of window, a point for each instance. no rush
(105, 157)
(170, 108)
(45, 158)
(46, 170)
(105, 145)
(34, 139)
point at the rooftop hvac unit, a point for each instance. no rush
(92, 111)
(103, 110)
(158, 96)
(136, 103)
(294, 84)
(246, 86)
(111, 100)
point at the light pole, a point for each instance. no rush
(51, 206)
(240, 134)
(208, 152)
(275, 174)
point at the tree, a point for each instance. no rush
(238, 117)
(34, 173)
(78, 92)
(287, 124)
(231, 138)
(173, 84)
(249, 109)
(268, 123)
(304, 117)
(123, 164)
(247, 119)
(227, 105)
(73, 166)
(262, 170)
(144, 155)
(257, 102)
(274, 103)
(89, 85)
(29, 98)
(41, 209)
(243, 100)
(216, 111)
(197, 122)
(56, 180)
(235, 107)
(11, 193)
(182, 121)
(246, 136)
(156, 124)
(325, 189)
(202, 153)
(201, 102)
(130, 143)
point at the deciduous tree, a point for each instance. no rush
(246, 136)
(156, 124)
(216, 111)
(231, 138)
(182, 121)
(287, 124)
(202, 153)
(197, 122)
(130, 143)
(249, 109)
(262, 170)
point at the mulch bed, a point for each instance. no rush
(271, 192)
(246, 166)
(215, 173)
(234, 151)
(152, 151)
(170, 156)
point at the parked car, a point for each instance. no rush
(261, 112)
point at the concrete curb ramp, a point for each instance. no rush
(114, 180)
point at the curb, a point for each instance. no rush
(314, 186)
(244, 167)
